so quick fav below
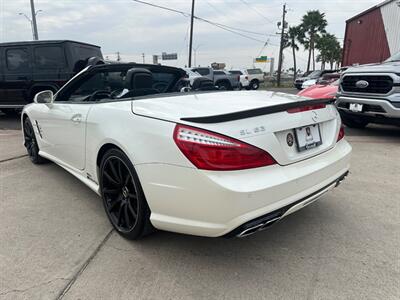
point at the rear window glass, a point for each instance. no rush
(17, 59)
(49, 57)
(254, 71)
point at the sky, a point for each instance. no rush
(132, 28)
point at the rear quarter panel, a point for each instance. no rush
(144, 140)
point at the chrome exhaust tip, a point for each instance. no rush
(259, 227)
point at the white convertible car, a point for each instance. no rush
(207, 163)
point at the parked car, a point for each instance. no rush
(249, 78)
(371, 94)
(27, 68)
(324, 80)
(298, 83)
(306, 84)
(195, 82)
(212, 164)
(191, 75)
(221, 78)
(328, 78)
(321, 91)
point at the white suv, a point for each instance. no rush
(250, 79)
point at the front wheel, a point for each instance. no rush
(31, 144)
(123, 197)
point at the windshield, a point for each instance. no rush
(315, 74)
(254, 71)
(395, 57)
(122, 81)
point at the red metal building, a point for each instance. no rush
(373, 35)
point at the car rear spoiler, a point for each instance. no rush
(257, 111)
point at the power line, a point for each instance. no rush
(221, 26)
(256, 11)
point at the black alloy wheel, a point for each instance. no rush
(123, 198)
(31, 144)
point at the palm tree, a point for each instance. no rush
(291, 39)
(329, 49)
(312, 25)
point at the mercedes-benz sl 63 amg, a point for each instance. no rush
(205, 162)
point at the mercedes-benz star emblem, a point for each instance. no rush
(314, 117)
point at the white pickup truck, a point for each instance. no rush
(250, 79)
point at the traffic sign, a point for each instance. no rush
(169, 56)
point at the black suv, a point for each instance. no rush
(27, 68)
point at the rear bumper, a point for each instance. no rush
(267, 220)
(206, 203)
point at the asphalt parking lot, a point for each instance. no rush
(56, 241)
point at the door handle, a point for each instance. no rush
(76, 118)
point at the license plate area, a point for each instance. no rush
(308, 137)
(356, 107)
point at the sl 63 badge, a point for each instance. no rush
(251, 131)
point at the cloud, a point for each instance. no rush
(132, 28)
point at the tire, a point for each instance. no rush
(354, 122)
(226, 85)
(254, 85)
(31, 144)
(123, 198)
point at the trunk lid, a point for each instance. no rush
(259, 118)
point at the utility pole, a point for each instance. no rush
(278, 77)
(143, 57)
(191, 35)
(34, 25)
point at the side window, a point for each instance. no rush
(17, 59)
(219, 73)
(202, 71)
(105, 82)
(49, 57)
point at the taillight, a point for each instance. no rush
(341, 133)
(212, 151)
(305, 108)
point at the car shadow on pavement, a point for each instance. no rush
(374, 130)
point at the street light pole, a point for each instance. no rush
(191, 35)
(195, 54)
(34, 25)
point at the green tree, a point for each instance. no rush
(291, 40)
(312, 25)
(329, 49)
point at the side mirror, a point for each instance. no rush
(44, 97)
